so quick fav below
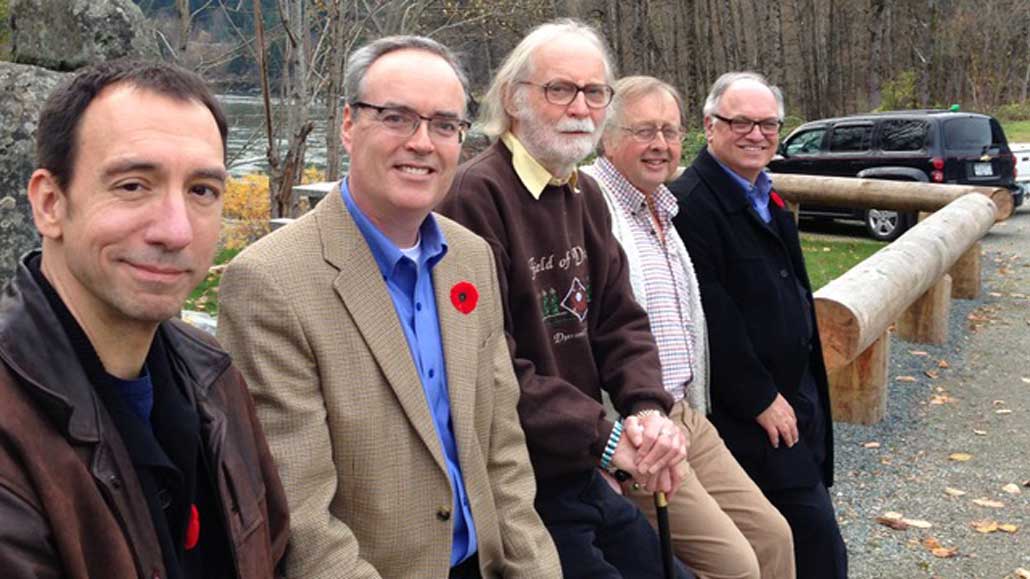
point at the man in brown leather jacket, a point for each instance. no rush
(128, 443)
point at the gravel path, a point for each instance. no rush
(977, 402)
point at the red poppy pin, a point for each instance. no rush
(776, 199)
(192, 529)
(464, 296)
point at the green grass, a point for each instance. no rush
(1017, 131)
(205, 297)
(827, 259)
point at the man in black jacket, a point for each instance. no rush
(769, 390)
(129, 446)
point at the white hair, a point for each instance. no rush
(724, 82)
(494, 120)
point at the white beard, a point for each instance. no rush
(551, 145)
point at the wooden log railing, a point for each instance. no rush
(879, 194)
(905, 282)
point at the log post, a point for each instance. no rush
(966, 274)
(858, 391)
(926, 320)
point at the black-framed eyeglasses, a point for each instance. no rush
(403, 122)
(648, 133)
(561, 92)
(744, 125)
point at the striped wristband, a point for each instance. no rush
(609, 449)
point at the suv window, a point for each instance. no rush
(969, 134)
(903, 135)
(807, 142)
(851, 138)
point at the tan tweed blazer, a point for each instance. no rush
(308, 319)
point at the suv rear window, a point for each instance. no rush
(851, 138)
(902, 135)
(969, 134)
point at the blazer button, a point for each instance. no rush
(783, 273)
(444, 514)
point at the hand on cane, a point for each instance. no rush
(660, 447)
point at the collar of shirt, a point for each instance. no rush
(386, 253)
(757, 193)
(633, 199)
(533, 175)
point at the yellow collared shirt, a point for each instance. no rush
(532, 174)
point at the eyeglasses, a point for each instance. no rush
(560, 92)
(403, 122)
(648, 133)
(744, 125)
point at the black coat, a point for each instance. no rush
(761, 325)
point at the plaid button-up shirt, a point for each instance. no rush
(667, 293)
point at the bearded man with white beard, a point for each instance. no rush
(572, 324)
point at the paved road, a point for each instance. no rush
(979, 405)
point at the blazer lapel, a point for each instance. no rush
(361, 287)
(460, 349)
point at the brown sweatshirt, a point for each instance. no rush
(572, 323)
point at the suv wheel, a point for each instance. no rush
(885, 225)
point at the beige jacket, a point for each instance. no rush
(308, 318)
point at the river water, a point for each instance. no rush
(248, 143)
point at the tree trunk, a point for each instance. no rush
(334, 88)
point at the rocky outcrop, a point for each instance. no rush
(25, 90)
(69, 34)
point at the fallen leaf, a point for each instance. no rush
(1026, 483)
(943, 364)
(872, 444)
(938, 550)
(918, 353)
(905, 379)
(1011, 488)
(896, 524)
(994, 294)
(931, 373)
(997, 402)
(1008, 527)
(1003, 411)
(939, 399)
(1020, 573)
(979, 432)
(960, 456)
(1024, 378)
(954, 492)
(984, 526)
(917, 523)
(985, 502)
(893, 515)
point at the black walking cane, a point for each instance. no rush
(661, 505)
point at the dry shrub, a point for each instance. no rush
(246, 206)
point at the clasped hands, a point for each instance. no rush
(651, 449)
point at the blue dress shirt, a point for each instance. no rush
(757, 194)
(411, 289)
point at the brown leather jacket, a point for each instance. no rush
(70, 503)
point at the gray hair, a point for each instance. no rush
(362, 59)
(518, 66)
(627, 90)
(724, 82)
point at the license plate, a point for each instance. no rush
(983, 169)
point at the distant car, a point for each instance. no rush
(1022, 153)
(934, 146)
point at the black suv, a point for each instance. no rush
(935, 146)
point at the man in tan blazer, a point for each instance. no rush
(371, 333)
